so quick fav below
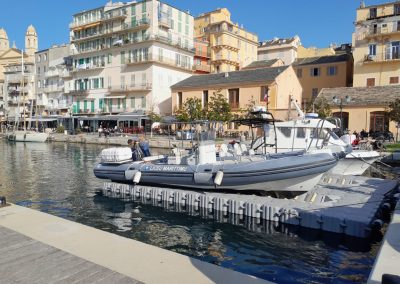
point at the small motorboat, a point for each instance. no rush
(231, 169)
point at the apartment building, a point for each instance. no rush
(53, 80)
(265, 86)
(279, 48)
(232, 47)
(376, 45)
(316, 73)
(16, 94)
(202, 56)
(127, 55)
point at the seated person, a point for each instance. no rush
(144, 146)
(136, 155)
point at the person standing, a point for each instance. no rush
(144, 146)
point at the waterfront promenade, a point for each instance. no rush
(39, 248)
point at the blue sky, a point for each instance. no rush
(317, 22)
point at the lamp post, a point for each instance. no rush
(339, 102)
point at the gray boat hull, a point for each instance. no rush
(280, 172)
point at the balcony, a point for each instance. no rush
(57, 73)
(226, 45)
(151, 58)
(221, 59)
(114, 15)
(382, 58)
(82, 92)
(87, 37)
(202, 54)
(164, 22)
(130, 88)
(390, 28)
(88, 66)
(202, 68)
(17, 90)
(138, 25)
(54, 89)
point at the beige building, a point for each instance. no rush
(242, 87)
(306, 52)
(362, 107)
(316, 73)
(376, 45)
(284, 49)
(232, 47)
(11, 90)
(127, 55)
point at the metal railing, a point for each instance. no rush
(382, 57)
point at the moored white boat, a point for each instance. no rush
(27, 136)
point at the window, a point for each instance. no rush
(179, 100)
(370, 82)
(133, 80)
(299, 73)
(301, 132)
(396, 9)
(234, 98)
(314, 72)
(109, 58)
(205, 98)
(44, 57)
(314, 93)
(372, 13)
(264, 94)
(331, 70)
(372, 49)
(133, 105)
(394, 80)
(286, 131)
(143, 102)
(122, 57)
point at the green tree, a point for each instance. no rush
(320, 106)
(191, 110)
(393, 110)
(218, 108)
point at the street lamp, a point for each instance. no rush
(339, 102)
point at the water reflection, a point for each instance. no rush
(58, 178)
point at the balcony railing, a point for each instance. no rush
(53, 89)
(164, 22)
(155, 37)
(105, 17)
(79, 92)
(160, 59)
(382, 57)
(137, 25)
(88, 66)
(202, 68)
(129, 88)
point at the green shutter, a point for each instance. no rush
(92, 106)
(75, 108)
(85, 105)
(78, 106)
(124, 103)
(100, 104)
(143, 6)
(122, 57)
(110, 104)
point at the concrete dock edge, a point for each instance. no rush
(140, 261)
(388, 258)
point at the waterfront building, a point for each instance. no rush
(15, 98)
(127, 55)
(376, 45)
(365, 107)
(231, 46)
(264, 86)
(53, 80)
(316, 73)
(279, 48)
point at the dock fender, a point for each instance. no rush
(218, 177)
(377, 224)
(136, 177)
(129, 174)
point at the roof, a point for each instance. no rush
(262, 75)
(321, 59)
(278, 41)
(379, 95)
(261, 63)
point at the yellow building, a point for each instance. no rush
(376, 45)
(232, 47)
(362, 107)
(315, 73)
(240, 88)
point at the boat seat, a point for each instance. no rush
(236, 150)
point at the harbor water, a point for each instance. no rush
(57, 178)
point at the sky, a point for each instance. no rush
(318, 22)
